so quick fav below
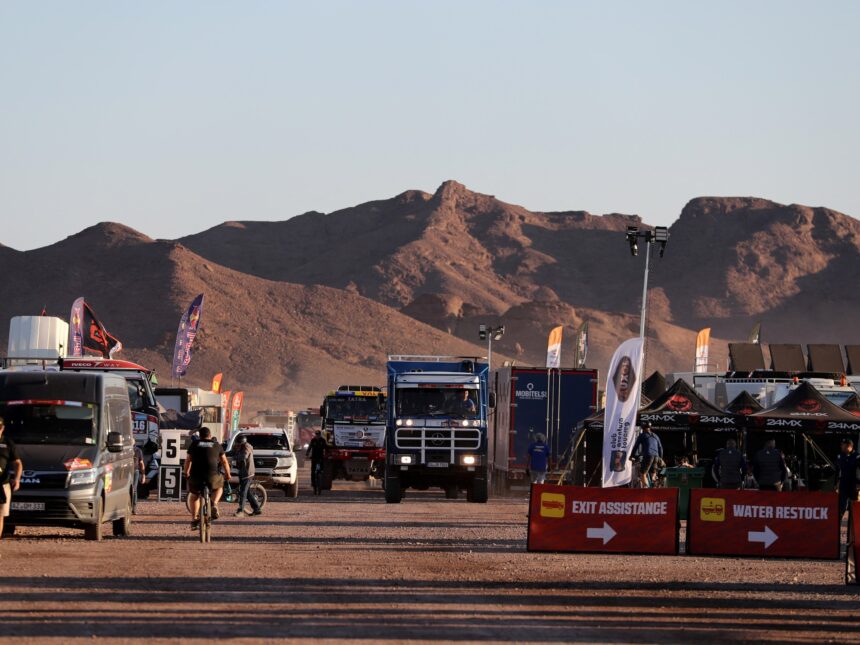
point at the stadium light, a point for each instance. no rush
(658, 235)
(489, 334)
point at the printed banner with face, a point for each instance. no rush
(623, 388)
(185, 335)
(553, 348)
(703, 340)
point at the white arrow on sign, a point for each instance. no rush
(766, 537)
(604, 533)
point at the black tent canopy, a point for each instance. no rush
(743, 404)
(654, 386)
(681, 408)
(804, 409)
(852, 405)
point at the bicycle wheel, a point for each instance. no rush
(259, 493)
(205, 517)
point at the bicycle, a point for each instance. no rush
(205, 515)
(256, 489)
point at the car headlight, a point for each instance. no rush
(80, 477)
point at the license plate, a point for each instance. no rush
(437, 464)
(359, 457)
(28, 506)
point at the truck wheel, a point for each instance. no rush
(452, 492)
(8, 530)
(292, 490)
(477, 492)
(393, 492)
(122, 526)
(93, 532)
(328, 476)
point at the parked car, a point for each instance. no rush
(274, 460)
(74, 434)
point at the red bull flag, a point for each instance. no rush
(87, 334)
(237, 411)
(185, 335)
(553, 348)
(226, 419)
(623, 389)
(216, 382)
(702, 342)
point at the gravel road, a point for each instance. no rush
(348, 566)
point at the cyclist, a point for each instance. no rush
(316, 452)
(202, 466)
(649, 447)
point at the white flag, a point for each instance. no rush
(553, 348)
(623, 389)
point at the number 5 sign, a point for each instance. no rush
(172, 442)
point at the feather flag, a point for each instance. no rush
(88, 335)
(189, 324)
(216, 382)
(553, 348)
(582, 345)
(623, 392)
(703, 340)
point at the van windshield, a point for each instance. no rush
(50, 422)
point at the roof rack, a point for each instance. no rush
(432, 359)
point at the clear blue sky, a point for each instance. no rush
(172, 117)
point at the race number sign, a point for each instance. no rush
(173, 447)
(608, 520)
(853, 555)
(170, 484)
(763, 523)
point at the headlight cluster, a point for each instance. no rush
(404, 422)
(470, 460)
(404, 460)
(80, 477)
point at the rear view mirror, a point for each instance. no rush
(114, 442)
(492, 401)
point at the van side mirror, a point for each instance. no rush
(114, 442)
(492, 401)
(322, 410)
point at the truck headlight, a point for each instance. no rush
(403, 460)
(399, 422)
(409, 422)
(81, 477)
(470, 460)
(465, 422)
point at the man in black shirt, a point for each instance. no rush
(202, 464)
(9, 481)
(316, 451)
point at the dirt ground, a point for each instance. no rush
(346, 566)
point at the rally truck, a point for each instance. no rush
(437, 426)
(353, 424)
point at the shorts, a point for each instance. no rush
(649, 463)
(5, 506)
(195, 484)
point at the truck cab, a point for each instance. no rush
(437, 426)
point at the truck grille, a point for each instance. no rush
(265, 462)
(43, 480)
(438, 438)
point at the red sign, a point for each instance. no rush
(853, 556)
(610, 520)
(763, 523)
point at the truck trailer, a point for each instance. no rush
(438, 408)
(532, 401)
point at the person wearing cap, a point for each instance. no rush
(246, 472)
(846, 475)
(650, 448)
(538, 459)
(11, 468)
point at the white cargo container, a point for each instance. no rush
(36, 339)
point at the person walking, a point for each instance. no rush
(316, 452)
(538, 459)
(11, 468)
(245, 471)
(846, 475)
(649, 447)
(729, 466)
(769, 467)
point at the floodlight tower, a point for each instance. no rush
(659, 235)
(489, 334)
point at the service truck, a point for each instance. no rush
(533, 401)
(437, 426)
(353, 424)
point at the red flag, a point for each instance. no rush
(216, 382)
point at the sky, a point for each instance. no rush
(174, 117)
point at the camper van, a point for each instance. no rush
(74, 435)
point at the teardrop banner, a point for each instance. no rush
(603, 520)
(763, 524)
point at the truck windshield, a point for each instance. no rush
(308, 421)
(139, 396)
(50, 422)
(349, 407)
(441, 401)
(268, 441)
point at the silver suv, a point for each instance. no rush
(274, 461)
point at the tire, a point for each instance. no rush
(292, 490)
(452, 492)
(122, 526)
(260, 494)
(93, 532)
(205, 521)
(477, 492)
(8, 530)
(328, 477)
(393, 491)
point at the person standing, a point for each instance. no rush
(769, 467)
(316, 452)
(846, 475)
(538, 459)
(139, 477)
(10, 473)
(729, 466)
(650, 448)
(245, 471)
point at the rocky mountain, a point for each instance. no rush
(296, 307)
